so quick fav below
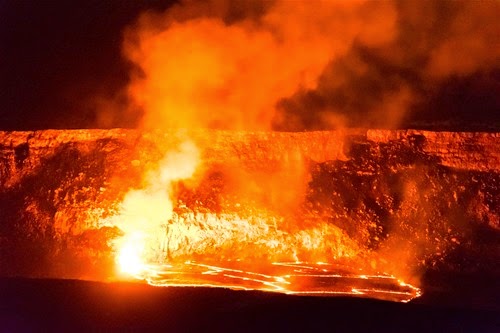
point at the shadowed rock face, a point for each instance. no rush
(434, 196)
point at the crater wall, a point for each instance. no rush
(437, 192)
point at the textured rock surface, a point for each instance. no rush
(434, 196)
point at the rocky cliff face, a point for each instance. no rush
(431, 196)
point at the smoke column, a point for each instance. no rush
(203, 65)
(259, 65)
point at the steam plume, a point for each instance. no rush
(203, 66)
(300, 65)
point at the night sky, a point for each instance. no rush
(56, 56)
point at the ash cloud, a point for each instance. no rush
(259, 65)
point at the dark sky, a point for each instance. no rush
(56, 55)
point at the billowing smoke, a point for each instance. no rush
(391, 85)
(212, 65)
(298, 65)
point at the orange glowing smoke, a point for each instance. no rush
(299, 65)
(197, 70)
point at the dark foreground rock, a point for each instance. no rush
(29, 305)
